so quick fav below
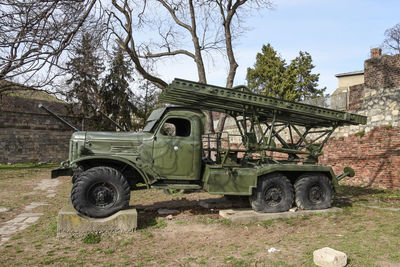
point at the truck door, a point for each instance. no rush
(177, 149)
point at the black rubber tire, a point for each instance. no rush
(313, 192)
(100, 192)
(274, 193)
(76, 172)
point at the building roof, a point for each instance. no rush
(352, 73)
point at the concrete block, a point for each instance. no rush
(245, 216)
(71, 223)
(328, 257)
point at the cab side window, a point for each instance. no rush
(176, 127)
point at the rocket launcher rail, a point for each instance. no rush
(240, 101)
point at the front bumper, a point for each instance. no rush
(61, 171)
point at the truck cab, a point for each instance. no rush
(176, 143)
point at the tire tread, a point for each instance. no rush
(301, 185)
(78, 188)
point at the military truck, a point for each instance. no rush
(271, 157)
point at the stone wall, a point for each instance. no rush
(378, 98)
(29, 134)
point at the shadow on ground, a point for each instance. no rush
(148, 214)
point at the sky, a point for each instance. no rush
(337, 33)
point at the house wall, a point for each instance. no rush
(346, 81)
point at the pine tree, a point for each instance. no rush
(271, 76)
(305, 81)
(115, 93)
(85, 69)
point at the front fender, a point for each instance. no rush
(113, 158)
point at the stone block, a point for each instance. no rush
(71, 223)
(377, 118)
(328, 257)
(245, 216)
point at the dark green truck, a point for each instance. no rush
(274, 163)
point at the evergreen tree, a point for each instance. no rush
(271, 76)
(115, 93)
(85, 69)
(305, 81)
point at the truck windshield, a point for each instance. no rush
(149, 125)
(153, 119)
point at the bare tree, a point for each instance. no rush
(34, 35)
(392, 41)
(186, 28)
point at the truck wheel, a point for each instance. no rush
(100, 192)
(76, 172)
(274, 193)
(313, 192)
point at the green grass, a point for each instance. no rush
(160, 223)
(19, 166)
(91, 238)
(390, 194)
(197, 236)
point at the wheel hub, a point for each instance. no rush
(273, 196)
(315, 194)
(102, 195)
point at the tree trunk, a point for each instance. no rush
(232, 61)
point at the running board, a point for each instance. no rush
(176, 186)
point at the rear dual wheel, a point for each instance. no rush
(313, 192)
(275, 193)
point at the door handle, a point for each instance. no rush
(176, 148)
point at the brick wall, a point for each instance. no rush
(375, 157)
(382, 72)
(356, 96)
(29, 134)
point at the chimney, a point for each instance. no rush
(376, 52)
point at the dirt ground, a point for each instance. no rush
(367, 231)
